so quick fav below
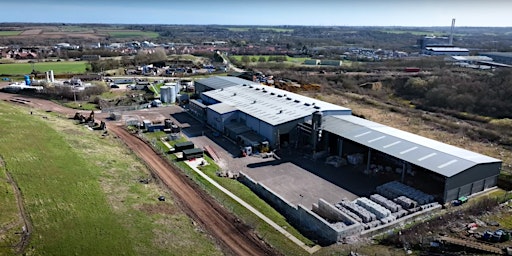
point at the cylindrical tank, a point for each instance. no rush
(27, 80)
(177, 88)
(165, 93)
(172, 94)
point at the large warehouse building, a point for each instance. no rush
(439, 169)
(501, 57)
(251, 113)
(248, 111)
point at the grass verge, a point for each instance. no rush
(268, 233)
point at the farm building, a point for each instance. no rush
(270, 112)
(444, 171)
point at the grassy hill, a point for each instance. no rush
(83, 195)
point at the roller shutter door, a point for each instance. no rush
(477, 186)
(465, 190)
(490, 182)
(452, 194)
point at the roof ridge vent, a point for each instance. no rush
(254, 102)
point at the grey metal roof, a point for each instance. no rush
(447, 49)
(219, 82)
(433, 155)
(471, 58)
(493, 63)
(271, 105)
(222, 108)
(500, 54)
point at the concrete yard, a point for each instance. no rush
(297, 185)
(295, 177)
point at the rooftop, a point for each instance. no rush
(271, 105)
(433, 155)
(222, 108)
(501, 54)
(447, 49)
(471, 58)
(219, 82)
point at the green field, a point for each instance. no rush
(413, 32)
(274, 29)
(131, 33)
(288, 59)
(64, 67)
(418, 33)
(82, 193)
(279, 30)
(10, 33)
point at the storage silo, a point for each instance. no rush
(177, 87)
(165, 93)
(172, 94)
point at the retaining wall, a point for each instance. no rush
(306, 221)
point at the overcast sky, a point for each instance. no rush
(263, 12)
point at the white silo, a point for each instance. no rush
(165, 93)
(172, 94)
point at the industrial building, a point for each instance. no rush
(435, 45)
(444, 171)
(501, 57)
(453, 51)
(477, 62)
(218, 82)
(414, 173)
(251, 113)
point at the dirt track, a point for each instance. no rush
(234, 237)
(237, 238)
